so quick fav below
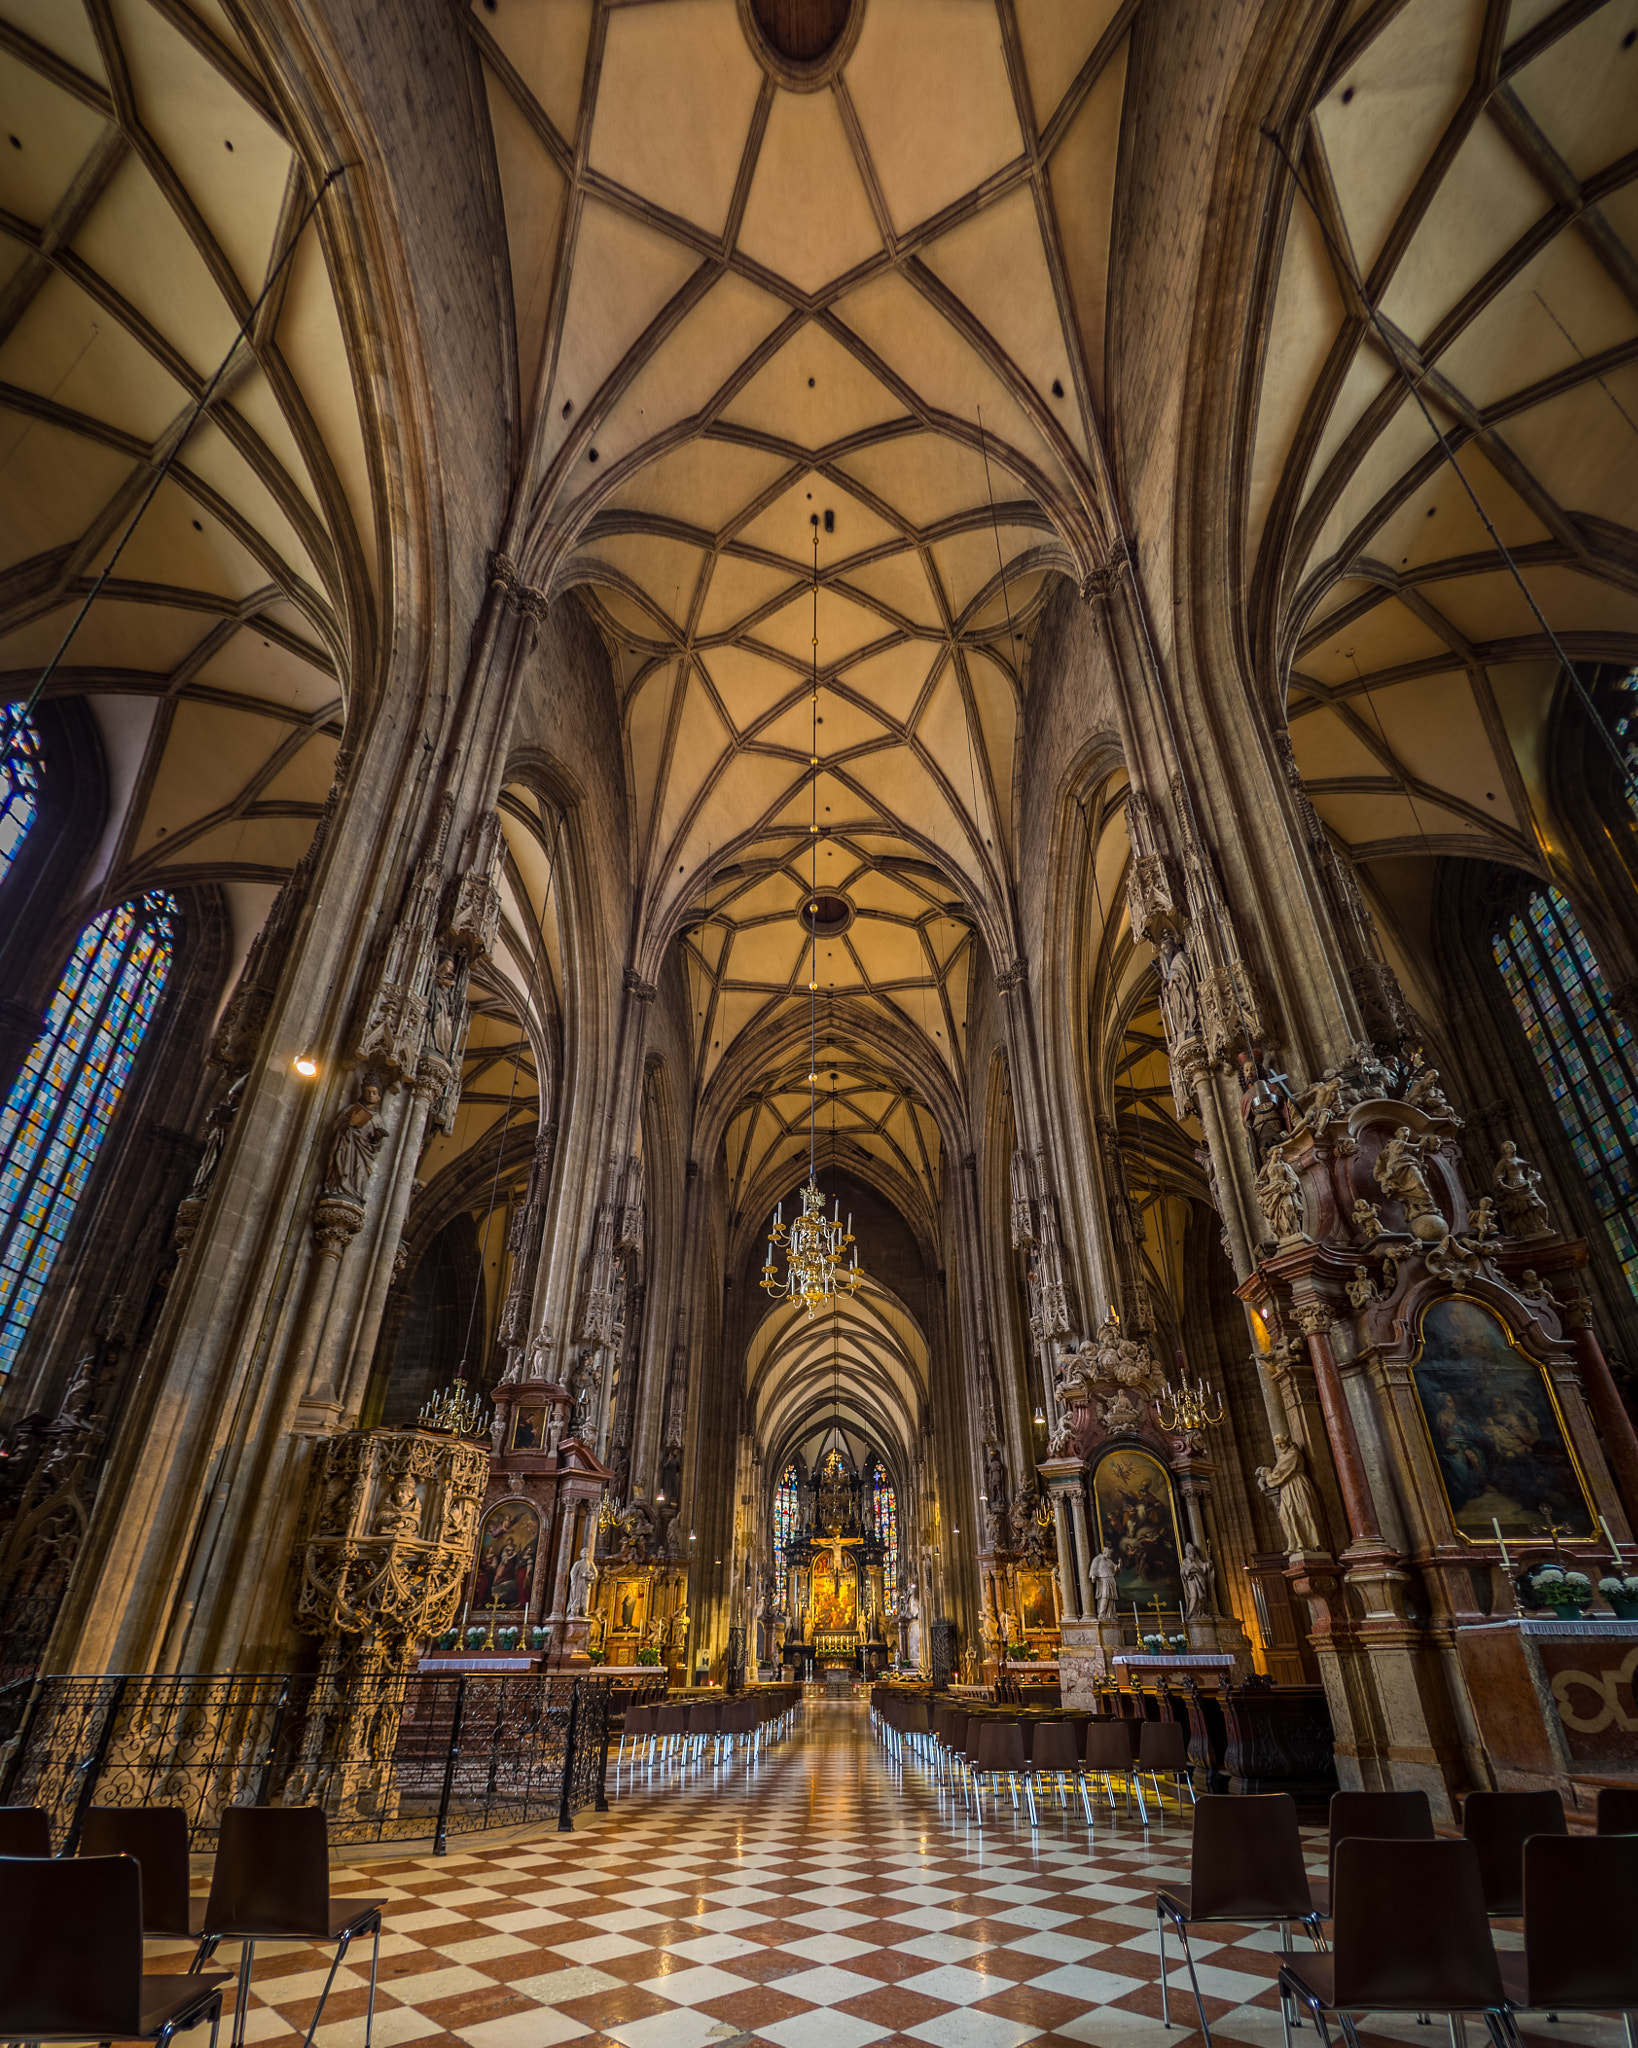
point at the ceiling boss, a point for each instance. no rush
(814, 1244)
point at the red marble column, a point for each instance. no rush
(1339, 1427)
(1603, 1397)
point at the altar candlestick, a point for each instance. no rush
(1507, 1562)
(1609, 1538)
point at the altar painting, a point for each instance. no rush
(506, 1556)
(626, 1611)
(1132, 1505)
(833, 1600)
(1036, 1607)
(1495, 1429)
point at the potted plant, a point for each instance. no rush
(474, 1638)
(1622, 1594)
(1567, 1593)
(648, 1654)
(508, 1638)
(539, 1637)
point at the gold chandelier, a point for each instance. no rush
(813, 1243)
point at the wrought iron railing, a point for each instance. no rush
(430, 1755)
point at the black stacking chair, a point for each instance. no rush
(1498, 1824)
(71, 1958)
(24, 1831)
(1567, 1965)
(272, 1883)
(157, 1838)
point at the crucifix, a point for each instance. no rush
(1553, 1531)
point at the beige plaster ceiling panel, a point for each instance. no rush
(150, 199)
(545, 41)
(808, 215)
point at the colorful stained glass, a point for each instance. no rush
(1587, 1056)
(19, 782)
(787, 1522)
(60, 1105)
(884, 1511)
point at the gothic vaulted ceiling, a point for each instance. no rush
(147, 197)
(1469, 174)
(868, 296)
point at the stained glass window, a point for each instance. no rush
(1586, 1054)
(786, 1510)
(884, 1510)
(58, 1111)
(19, 782)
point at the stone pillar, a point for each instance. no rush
(1315, 1319)
(1068, 1592)
(1614, 1423)
(1083, 1550)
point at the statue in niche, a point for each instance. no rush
(356, 1138)
(1266, 1116)
(1517, 1185)
(444, 1004)
(620, 1473)
(1279, 1195)
(400, 1513)
(582, 1578)
(1179, 991)
(1199, 1584)
(217, 1126)
(1104, 1572)
(995, 1478)
(635, 1527)
(1287, 1484)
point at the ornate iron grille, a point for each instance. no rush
(396, 1759)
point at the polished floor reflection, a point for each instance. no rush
(817, 1897)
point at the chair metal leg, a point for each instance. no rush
(318, 2011)
(1029, 1796)
(241, 2010)
(1194, 1982)
(1165, 2000)
(1086, 1804)
(375, 1971)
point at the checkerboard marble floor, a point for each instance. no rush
(817, 1898)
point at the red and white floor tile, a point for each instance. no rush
(815, 1898)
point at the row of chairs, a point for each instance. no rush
(682, 1731)
(1404, 1922)
(71, 1957)
(990, 1750)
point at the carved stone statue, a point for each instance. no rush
(1108, 1359)
(1287, 1484)
(1399, 1174)
(400, 1513)
(1199, 1584)
(1279, 1195)
(356, 1137)
(1361, 1288)
(636, 1527)
(1104, 1572)
(1265, 1116)
(1524, 1213)
(582, 1578)
(1321, 1105)
(1367, 1220)
(1482, 1223)
(995, 1479)
(1179, 991)
(1423, 1091)
(1532, 1287)
(1061, 1443)
(620, 1473)
(217, 1126)
(444, 1007)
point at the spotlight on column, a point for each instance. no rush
(305, 1065)
(1040, 1418)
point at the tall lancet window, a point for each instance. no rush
(1586, 1054)
(884, 1509)
(60, 1105)
(786, 1518)
(19, 781)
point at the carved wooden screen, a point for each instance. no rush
(1585, 1052)
(59, 1108)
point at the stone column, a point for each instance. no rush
(1614, 1423)
(1083, 1550)
(1315, 1319)
(1067, 1588)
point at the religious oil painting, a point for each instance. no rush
(526, 1429)
(1035, 1600)
(1132, 1500)
(834, 1600)
(1495, 1428)
(506, 1557)
(628, 1606)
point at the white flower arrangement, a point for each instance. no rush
(1613, 1588)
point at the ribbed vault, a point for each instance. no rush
(1471, 171)
(147, 195)
(865, 1364)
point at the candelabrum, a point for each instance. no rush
(1191, 1408)
(813, 1244)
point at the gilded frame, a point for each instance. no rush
(1543, 1378)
